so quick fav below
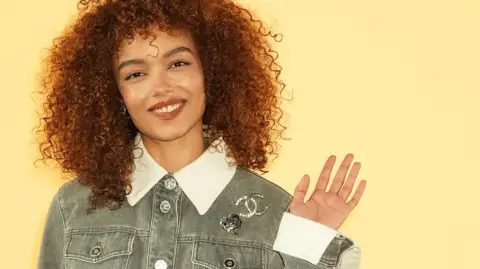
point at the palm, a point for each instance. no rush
(321, 206)
(330, 207)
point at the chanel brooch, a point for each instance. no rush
(233, 223)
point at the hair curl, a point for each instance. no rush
(82, 126)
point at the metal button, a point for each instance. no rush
(229, 263)
(161, 264)
(96, 251)
(165, 206)
(170, 183)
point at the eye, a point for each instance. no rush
(134, 75)
(178, 64)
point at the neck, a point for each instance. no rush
(176, 154)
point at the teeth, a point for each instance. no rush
(168, 108)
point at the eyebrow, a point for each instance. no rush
(165, 55)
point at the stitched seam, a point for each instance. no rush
(127, 261)
(130, 250)
(65, 246)
(197, 262)
(264, 259)
(95, 260)
(205, 264)
(117, 253)
(328, 262)
(331, 262)
(124, 229)
(341, 255)
(194, 250)
(109, 255)
(177, 230)
(61, 209)
(150, 231)
(60, 206)
(251, 244)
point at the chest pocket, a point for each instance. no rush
(98, 250)
(223, 256)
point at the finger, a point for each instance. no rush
(341, 173)
(348, 186)
(325, 174)
(358, 194)
(301, 190)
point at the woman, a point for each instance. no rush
(162, 110)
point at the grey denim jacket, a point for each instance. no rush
(152, 234)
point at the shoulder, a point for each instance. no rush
(261, 182)
(251, 182)
(72, 187)
(73, 196)
(72, 190)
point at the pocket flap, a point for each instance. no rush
(225, 256)
(98, 246)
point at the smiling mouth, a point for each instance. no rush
(168, 110)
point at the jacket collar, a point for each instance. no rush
(202, 180)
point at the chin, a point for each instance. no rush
(170, 133)
(168, 136)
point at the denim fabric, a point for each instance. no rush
(152, 235)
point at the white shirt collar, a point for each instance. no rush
(202, 180)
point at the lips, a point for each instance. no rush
(168, 110)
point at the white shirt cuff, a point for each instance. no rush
(303, 238)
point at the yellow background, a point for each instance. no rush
(395, 82)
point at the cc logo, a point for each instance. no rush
(251, 204)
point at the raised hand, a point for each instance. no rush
(329, 207)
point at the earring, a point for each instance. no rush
(123, 110)
(205, 130)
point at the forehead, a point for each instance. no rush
(161, 41)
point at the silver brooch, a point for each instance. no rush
(233, 223)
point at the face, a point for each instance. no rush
(162, 86)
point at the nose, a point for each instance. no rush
(162, 85)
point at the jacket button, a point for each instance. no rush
(96, 251)
(161, 264)
(229, 263)
(165, 206)
(170, 183)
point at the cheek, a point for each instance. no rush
(132, 96)
(190, 80)
(195, 86)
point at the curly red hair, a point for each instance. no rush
(83, 127)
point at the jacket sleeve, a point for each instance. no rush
(304, 244)
(53, 239)
(348, 259)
